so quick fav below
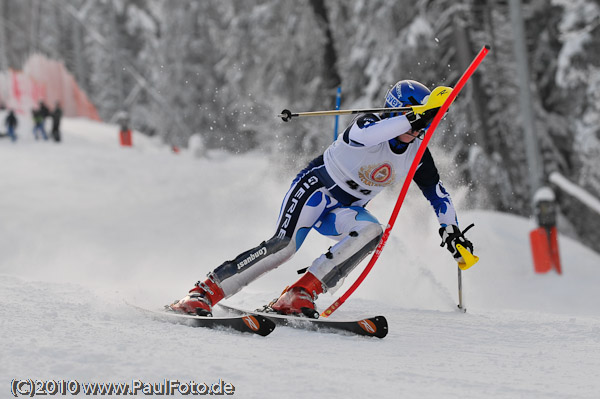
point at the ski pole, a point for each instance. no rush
(461, 304)
(411, 172)
(286, 115)
(468, 260)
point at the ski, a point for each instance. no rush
(371, 327)
(247, 323)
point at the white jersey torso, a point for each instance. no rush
(364, 171)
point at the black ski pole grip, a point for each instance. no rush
(286, 115)
(467, 228)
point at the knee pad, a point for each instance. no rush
(339, 222)
(332, 267)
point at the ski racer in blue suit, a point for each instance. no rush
(330, 196)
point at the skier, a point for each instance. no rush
(330, 195)
(11, 123)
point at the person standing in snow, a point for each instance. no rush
(38, 124)
(44, 111)
(11, 123)
(56, 117)
(330, 196)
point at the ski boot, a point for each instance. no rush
(300, 297)
(200, 299)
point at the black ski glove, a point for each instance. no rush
(422, 120)
(451, 235)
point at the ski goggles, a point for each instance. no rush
(420, 134)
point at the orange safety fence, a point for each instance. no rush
(47, 80)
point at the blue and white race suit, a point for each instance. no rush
(330, 196)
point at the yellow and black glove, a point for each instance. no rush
(421, 115)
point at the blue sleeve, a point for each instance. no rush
(428, 180)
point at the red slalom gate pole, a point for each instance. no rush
(411, 172)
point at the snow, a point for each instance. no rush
(544, 193)
(87, 226)
(576, 26)
(576, 191)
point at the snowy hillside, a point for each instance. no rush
(86, 226)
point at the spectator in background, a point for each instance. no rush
(56, 117)
(11, 123)
(44, 111)
(38, 124)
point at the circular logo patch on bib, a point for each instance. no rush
(377, 175)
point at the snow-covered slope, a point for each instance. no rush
(86, 225)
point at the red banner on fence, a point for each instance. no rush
(45, 80)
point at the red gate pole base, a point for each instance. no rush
(544, 248)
